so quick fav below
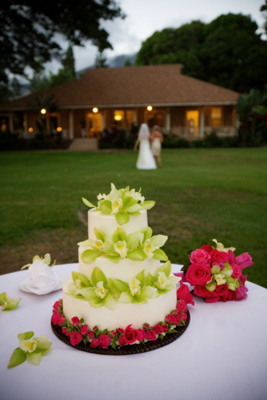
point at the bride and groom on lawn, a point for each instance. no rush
(149, 147)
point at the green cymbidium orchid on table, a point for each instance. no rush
(122, 203)
(46, 260)
(30, 348)
(11, 303)
(137, 246)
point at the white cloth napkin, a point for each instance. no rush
(42, 279)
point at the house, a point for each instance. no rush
(108, 97)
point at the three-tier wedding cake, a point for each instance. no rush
(121, 283)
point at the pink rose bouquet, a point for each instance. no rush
(216, 273)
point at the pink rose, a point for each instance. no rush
(95, 328)
(57, 319)
(244, 260)
(231, 296)
(178, 319)
(200, 256)
(151, 334)
(198, 274)
(120, 330)
(201, 291)
(75, 338)
(113, 333)
(94, 343)
(104, 340)
(57, 305)
(222, 290)
(146, 326)
(158, 329)
(217, 256)
(181, 306)
(65, 331)
(122, 341)
(241, 293)
(165, 328)
(207, 248)
(131, 335)
(91, 334)
(237, 271)
(84, 329)
(171, 319)
(183, 293)
(184, 317)
(75, 321)
(212, 299)
(242, 279)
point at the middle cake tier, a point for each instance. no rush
(125, 270)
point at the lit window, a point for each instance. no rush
(216, 116)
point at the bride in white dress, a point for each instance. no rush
(145, 157)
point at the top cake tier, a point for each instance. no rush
(108, 223)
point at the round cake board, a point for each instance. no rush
(129, 349)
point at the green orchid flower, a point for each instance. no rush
(30, 348)
(46, 260)
(11, 303)
(136, 291)
(162, 280)
(98, 291)
(122, 203)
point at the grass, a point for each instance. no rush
(198, 192)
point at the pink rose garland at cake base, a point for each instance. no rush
(216, 273)
(78, 332)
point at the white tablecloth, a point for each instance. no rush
(221, 356)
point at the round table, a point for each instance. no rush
(222, 355)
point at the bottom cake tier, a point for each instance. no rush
(124, 314)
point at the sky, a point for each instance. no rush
(144, 17)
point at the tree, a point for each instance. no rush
(227, 51)
(101, 60)
(263, 9)
(68, 61)
(127, 62)
(28, 29)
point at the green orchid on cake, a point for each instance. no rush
(103, 292)
(121, 202)
(136, 246)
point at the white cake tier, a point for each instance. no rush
(125, 270)
(123, 315)
(108, 223)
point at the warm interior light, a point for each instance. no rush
(95, 110)
(43, 111)
(30, 129)
(118, 117)
(59, 129)
(149, 108)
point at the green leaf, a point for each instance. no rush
(105, 206)
(119, 235)
(108, 248)
(135, 208)
(134, 212)
(141, 278)
(83, 278)
(18, 357)
(98, 276)
(148, 292)
(99, 234)
(166, 268)
(159, 254)
(139, 299)
(25, 335)
(147, 205)
(158, 240)
(88, 293)
(85, 243)
(136, 255)
(109, 302)
(150, 279)
(119, 285)
(90, 255)
(88, 203)
(114, 259)
(122, 218)
(34, 357)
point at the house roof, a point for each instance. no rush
(158, 85)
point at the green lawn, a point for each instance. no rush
(215, 192)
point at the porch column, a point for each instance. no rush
(201, 122)
(135, 117)
(168, 120)
(125, 120)
(25, 125)
(103, 119)
(11, 126)
(71, 134)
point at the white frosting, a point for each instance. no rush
(124, 314)
(125, 270)
(108, 223)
